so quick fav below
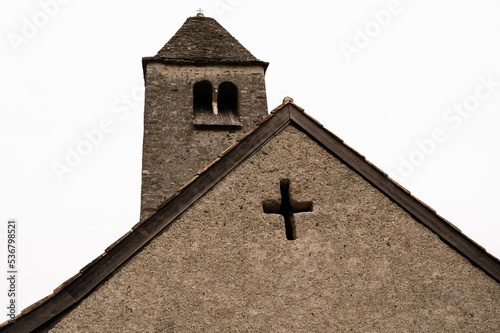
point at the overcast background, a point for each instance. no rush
(382, 82)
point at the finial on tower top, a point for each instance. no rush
(200, 13)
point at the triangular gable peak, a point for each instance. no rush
(74, 290)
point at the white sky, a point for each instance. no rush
(400, 86)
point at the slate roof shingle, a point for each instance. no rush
(204, 39)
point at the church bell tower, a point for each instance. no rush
(203, 91)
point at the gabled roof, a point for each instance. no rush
(203, 40)
(47, 311)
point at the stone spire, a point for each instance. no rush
(202, 39)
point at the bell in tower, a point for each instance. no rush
(203, 91)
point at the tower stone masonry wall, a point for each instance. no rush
(174, 150)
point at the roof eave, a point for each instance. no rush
(201, 62)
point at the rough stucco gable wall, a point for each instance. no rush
(359, 263)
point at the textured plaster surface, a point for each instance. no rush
(360, 263)
(174, 149)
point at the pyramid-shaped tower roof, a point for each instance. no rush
(203, 39)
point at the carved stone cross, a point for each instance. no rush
(287, 207)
